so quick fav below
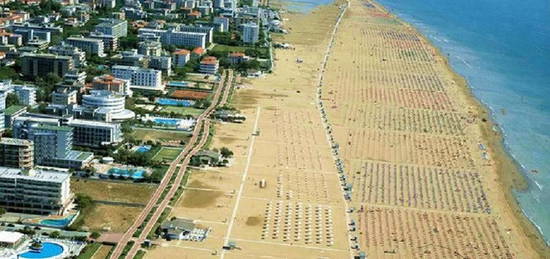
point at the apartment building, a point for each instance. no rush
(17, 153)
(251, 33)
(110, 83)
(114, 27)
(150, 48)
(25, 94)
(52, 143)
(63, 49)
(33, 65)
(139, 77)
(95, 133)
(88, 45)
(175, 37)
(107, 103)
(35, 191)
(181, 57)
(209, 65)
(110, 42)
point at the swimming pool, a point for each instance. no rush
(136, 174)
(171, 122)
(48, 250)
(175, 102)
(177, 84)
(58, 223)
(143, 149)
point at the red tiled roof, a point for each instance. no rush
(236, 54)
(199, 50)
(181, 52)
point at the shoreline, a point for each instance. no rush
(508, 169)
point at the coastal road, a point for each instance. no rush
(201, 131)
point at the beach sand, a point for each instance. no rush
(300, 213)
(409, 133)
(425, 164)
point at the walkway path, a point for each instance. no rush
(201, 130)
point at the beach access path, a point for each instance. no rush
(201, 130)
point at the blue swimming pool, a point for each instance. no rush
(177, 84)
(175, 102)
(48, 250)
(171, 122)
(58, 223)
(143, 149)
(136, 174)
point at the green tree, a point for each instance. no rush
(226, 152)
(55, 234)
(12, 99)
(95, 235)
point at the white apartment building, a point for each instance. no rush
(224, 21)
(251, 33)
(108, 103)
(114, 27)
(209, 31)
(79, 56)
(177, 38)
(34, 191)
(88, 45)
(181, 57)
(95, 133)
(139, 77)
(25, 94)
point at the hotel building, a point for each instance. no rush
(18, 153)
(108, 103)
(34, 191)
(139, 77)
(88, 45)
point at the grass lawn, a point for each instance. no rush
(220, 47)
(89, 251)
(117, 218)
(262, 52)
(113, 191)
(167, 154)
(183, 110)
(103, 252)
(146, 134)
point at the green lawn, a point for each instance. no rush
(89, 251)
(167, 154)
(228, 48)
(146, 134)
(183, 110)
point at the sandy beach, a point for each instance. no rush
(425, 164)
(426, 167)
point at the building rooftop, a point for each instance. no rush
(132, 68)
(52, 127)
(179, 223)
(34, 174)
(182, 52)
(10, 237)
(209, 60)
(79, 122)
(15, 141)
(13, 109)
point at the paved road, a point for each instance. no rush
(201, 131)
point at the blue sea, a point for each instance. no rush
(502, 47)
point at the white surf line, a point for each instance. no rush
(243, 179)
(326, 125)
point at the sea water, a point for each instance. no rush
(502, 48)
